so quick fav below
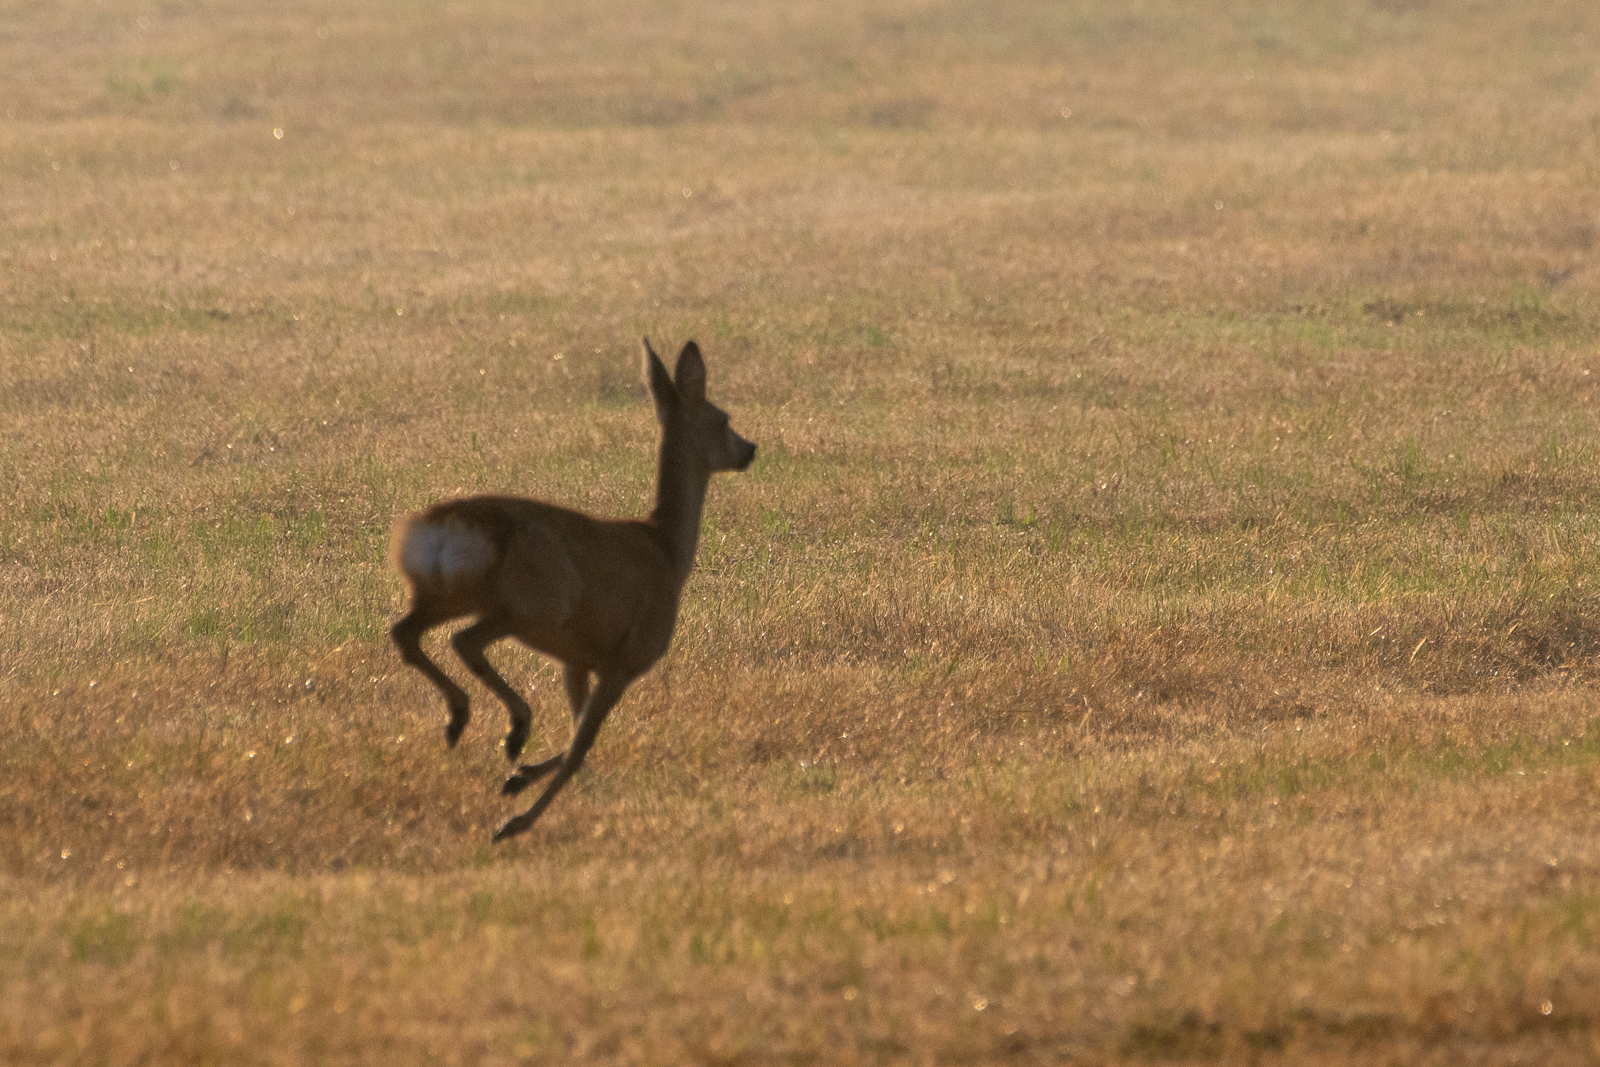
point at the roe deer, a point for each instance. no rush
(600, 595)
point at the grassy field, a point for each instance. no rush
(1161, 624)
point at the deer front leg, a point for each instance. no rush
(576, 680)
(595, 709)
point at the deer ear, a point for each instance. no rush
(691, 375)
(662, 390)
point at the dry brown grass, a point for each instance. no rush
(1159, 626)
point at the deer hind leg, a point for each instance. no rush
(606, 693)
(576, 680)
(536, 589)
(469, 645)
(407, 635)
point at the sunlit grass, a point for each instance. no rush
(1159, 624)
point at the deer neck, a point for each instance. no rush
(680, 499)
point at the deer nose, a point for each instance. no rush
(749, 456)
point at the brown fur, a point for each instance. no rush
(599, 595)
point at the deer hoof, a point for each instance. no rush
(453, 732)
(512, 827)
(527, 774)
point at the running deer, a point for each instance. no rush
(600, 595)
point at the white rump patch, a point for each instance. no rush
(444, 554)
